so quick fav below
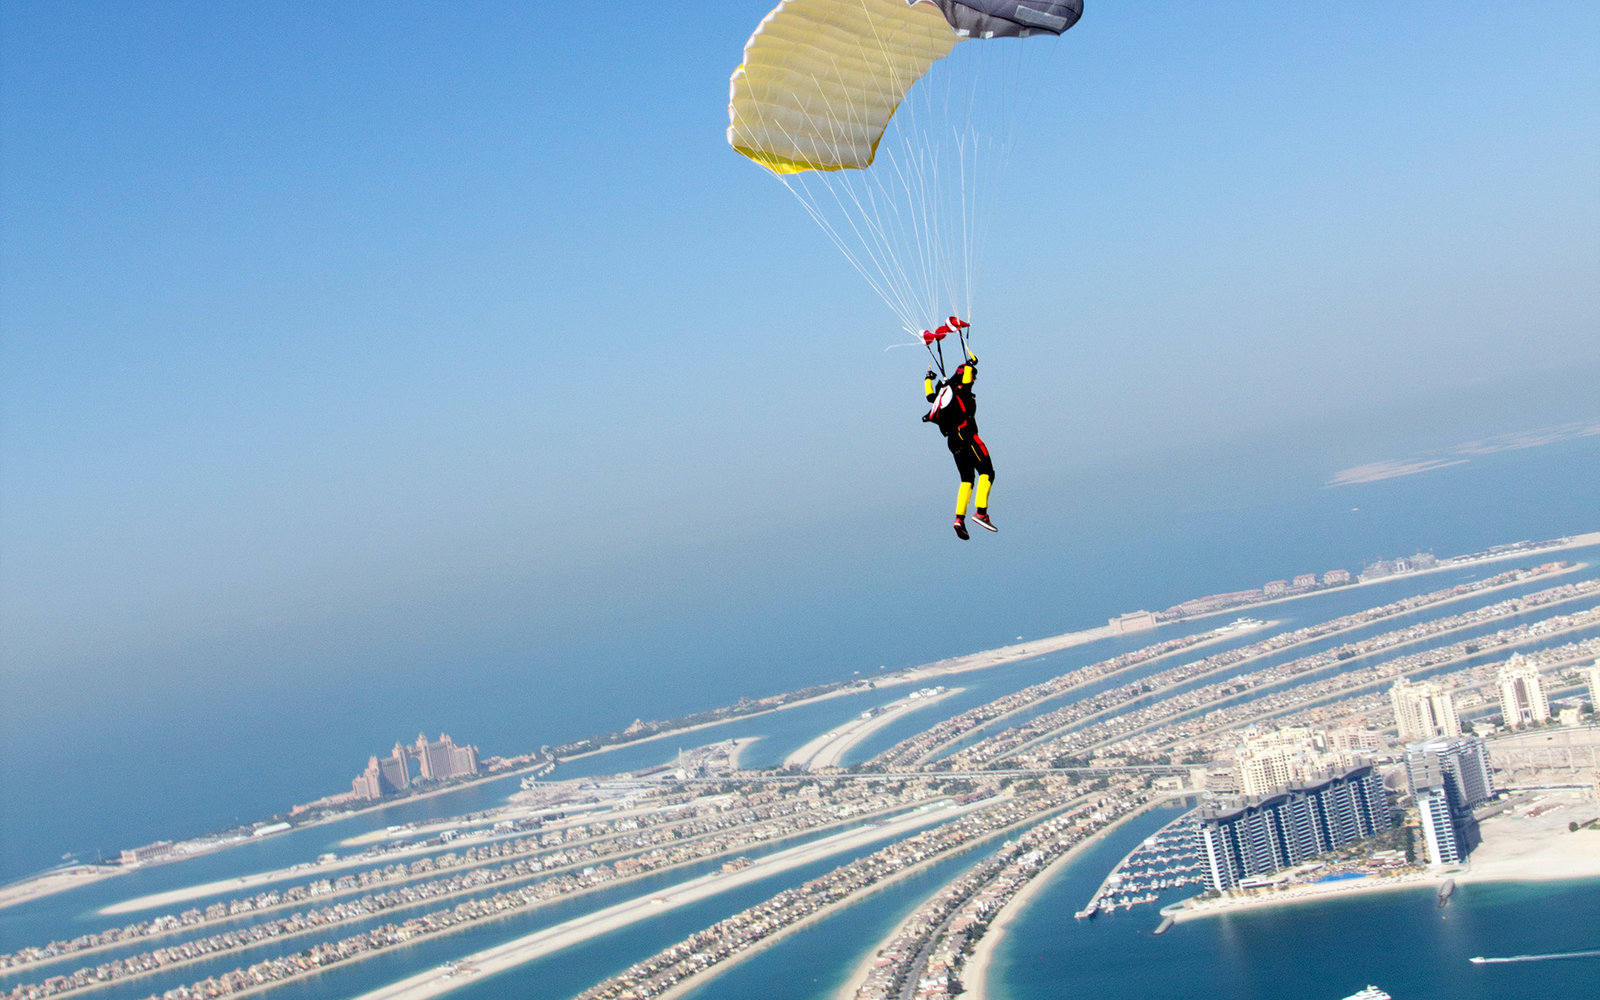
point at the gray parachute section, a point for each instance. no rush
(1010, 18)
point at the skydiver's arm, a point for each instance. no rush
(929, 386)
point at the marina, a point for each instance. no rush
(1166, 860)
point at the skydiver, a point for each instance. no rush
(954, 409)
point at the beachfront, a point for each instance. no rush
(1530, 844)
(612, 833)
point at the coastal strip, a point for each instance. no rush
(1534, 845)
(975, 976)
(666, 974)
(932, 945)
(552, 939)
(561, 863)
(829, 748)
(51, 882)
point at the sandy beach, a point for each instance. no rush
(53, 882)
(829, 748)
(975, 974)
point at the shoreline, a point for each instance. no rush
(829, 748)
(50, 882)
(484, 835)
(1516, 848)
(55, 880)
(975, 973)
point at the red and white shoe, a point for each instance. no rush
(961, 528)
(982, 517)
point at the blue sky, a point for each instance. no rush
(316, 314)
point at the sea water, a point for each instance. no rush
(1469, 512)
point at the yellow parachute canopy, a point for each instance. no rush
(821, 79)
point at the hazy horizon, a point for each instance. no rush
(345, 348)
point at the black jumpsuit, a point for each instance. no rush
(958, 422)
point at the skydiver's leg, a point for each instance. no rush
(961, 451)
(985, 469)
(966, 464)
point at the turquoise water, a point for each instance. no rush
(1394, 941)
(213, 754)
(1400, 941)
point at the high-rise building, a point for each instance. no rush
(384, 776)
(1592, 675)
(1522, 696)
(1292, 826)
(1438, 825)
(1463, 766)
(1448, 778)
(1349, 740)
(442, 759)
(436, 761)
(1423, 710)
(1268, 761)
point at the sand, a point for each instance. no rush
(975, 973)
(51, 882)
(829, 748)
(1517, 847)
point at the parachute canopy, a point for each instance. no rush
(890, 133)
(821, 78)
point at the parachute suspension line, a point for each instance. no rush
(915, 243)
(1006, 66)
(808, 201)
(911, 152)
(881, 260)
(887, 243)
(867, 254)
(910, 171)
(875, 260)
(861, 207)
(911, 163)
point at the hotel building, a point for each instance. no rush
(436, 761)
(1522, 695)
(1423, 710)
(1295, 825)
(1448, 779)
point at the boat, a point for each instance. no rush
(1477, 960)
